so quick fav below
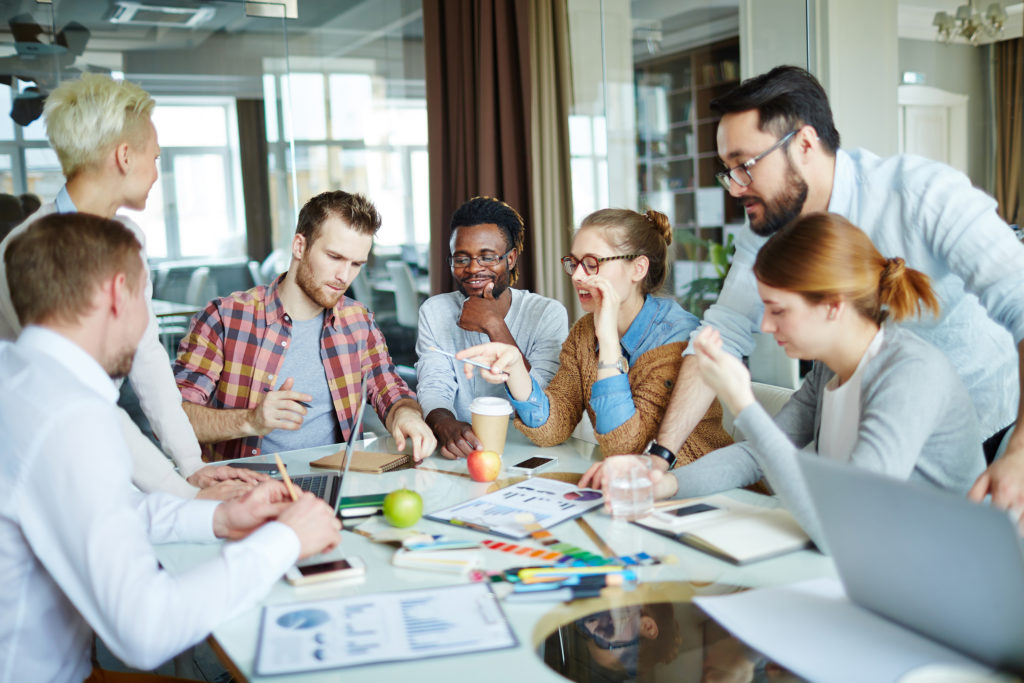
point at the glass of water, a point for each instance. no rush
(628, 486)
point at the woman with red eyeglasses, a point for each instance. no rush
(620, 360)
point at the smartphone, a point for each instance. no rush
(533, 464)
(348, 568)
(265, 467)
(692, 510)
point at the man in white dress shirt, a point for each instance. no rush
(107, 145)
(76, 536)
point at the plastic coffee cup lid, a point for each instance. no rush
(490, 405)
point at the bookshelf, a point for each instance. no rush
(676, 149)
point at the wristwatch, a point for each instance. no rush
(621, 365)
(659, 451)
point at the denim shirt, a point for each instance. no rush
(659, 322)
(930, 215)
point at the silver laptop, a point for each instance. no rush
(327, 485)
(929, 560)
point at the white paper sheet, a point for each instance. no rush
(813, 629)
(549, 501)
(384, 627)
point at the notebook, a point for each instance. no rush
(729, 530)
(929, 560)
(364, 461)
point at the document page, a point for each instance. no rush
(384, 627)
(550, 502)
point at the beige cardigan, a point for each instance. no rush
(651, 380)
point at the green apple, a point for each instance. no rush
(403, 508)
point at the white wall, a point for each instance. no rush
(853, 52)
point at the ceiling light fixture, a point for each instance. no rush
(970, 24)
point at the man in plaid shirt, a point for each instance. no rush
(256, 366)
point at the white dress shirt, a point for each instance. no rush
(76, 537)
(150, 377)
(930, 215)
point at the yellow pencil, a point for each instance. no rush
(287, 479)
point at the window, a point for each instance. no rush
(352, 131)
(194, 207)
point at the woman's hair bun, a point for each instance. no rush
(659, 222)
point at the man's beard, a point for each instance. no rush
(314, 290)
(122, 365)
(500, 285)
(784, 208)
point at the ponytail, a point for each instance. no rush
(903, 292)
(823, 255)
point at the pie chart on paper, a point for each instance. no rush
(303, 618)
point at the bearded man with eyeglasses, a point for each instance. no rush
(487, 242)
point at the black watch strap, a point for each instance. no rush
(657, 450)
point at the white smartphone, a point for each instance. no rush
(534, 464)
(348, 568)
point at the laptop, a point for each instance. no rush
(929, 560)
(327, 485)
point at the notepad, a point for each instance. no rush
(733, 532)
(365, 461)
(384, 627)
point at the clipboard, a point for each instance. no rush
(365, 461)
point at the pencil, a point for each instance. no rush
(287, 480)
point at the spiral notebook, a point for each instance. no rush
(365, 461)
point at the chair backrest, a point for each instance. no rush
(406, 300)
(255, 274)
(197, 292)
(771, 397)
(362, 290)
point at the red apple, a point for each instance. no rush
(484, 465)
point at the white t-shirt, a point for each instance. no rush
(840, 408)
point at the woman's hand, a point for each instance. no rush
(722, 371)
(505, 366)
(606, 316)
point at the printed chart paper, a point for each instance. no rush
(384, 627)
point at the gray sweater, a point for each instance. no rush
(916, 423)
(538, 324)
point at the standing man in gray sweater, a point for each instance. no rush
(487, 241)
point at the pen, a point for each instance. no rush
(287, 480)
(616, 578)
(600, 581)
(560, 595)
(470, 525)
(477, 363)
(301, 403)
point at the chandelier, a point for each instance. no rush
(970, 24)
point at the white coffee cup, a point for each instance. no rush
(490, 421)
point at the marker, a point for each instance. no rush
(301, 403)
(477, 363)
(569, 571)
(599, 581)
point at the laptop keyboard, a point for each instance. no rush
(316, 484)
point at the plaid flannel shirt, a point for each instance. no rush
(235, 347)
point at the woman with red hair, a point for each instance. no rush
(878, 396)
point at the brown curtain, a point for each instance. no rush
(478, 113)
(1010, 128)
(552, 227)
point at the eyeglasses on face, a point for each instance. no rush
(591, 264)
(741, 174)
(485, 261)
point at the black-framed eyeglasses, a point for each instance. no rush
(486, 261)
(741, 174)
(587, 627)
(591, 264)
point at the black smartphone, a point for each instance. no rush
(692, 509)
